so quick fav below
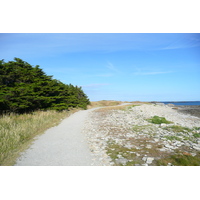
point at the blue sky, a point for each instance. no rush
(111, 66)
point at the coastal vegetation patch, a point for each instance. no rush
(178, 129)
(158, 120)
(121, 155)
(180, 159)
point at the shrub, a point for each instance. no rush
(158, 120)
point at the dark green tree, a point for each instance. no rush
(24, 88)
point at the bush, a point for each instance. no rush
(159, 120)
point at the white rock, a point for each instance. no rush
(149, 160)
(144, 159)
(148, 146)
(197, 147)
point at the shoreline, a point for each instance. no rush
(126, 136)
(193, 110)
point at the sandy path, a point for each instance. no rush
(63, 145)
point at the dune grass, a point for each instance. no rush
(18, 131)
(104, 103)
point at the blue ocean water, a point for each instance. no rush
(183, 103)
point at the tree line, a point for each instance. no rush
(26, 88)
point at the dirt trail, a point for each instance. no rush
(63, 145)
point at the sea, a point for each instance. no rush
(182, 103)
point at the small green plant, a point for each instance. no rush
(178, 129)
(158, 120)
(137, 128)
(196, 135)
(172, 138)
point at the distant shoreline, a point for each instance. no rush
(193, 110)
(182, 103)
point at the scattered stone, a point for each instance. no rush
(129, 146)
(163, 125)
(169, 164)
(144, 159)
(193, 154)
(122, 161)
(196, 146)
(169, 146)
(116, 127)
(149, 160)
(162, 149)
(148, 146)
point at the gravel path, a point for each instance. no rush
(63, 145)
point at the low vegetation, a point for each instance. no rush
(158, 120)
(116, 151)
(178, 129)
(17, 131)
(180, 159)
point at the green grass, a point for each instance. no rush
(17, 131)
(144, 129)
(113, 150)
(196, 135)
(158, 120)
(178, 129)
(173, 138)
(180, 160)
(139, 128)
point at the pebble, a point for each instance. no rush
(149, 160)
(148, 146)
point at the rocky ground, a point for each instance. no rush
(192, 110)
(127, 136)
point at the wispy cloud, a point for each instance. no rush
(152, 73)
(112, 68)
(185, 41)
